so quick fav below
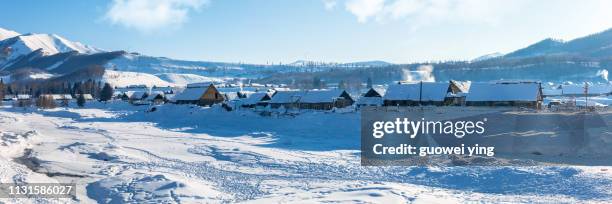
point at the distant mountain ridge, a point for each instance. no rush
(594, 45)
(53, 56)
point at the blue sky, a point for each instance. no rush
(261, 31)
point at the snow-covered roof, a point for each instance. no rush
(503, 92)
(370, 101)
(321, 96)
(231, 96)
(154, 94)
(191, 94)
(138, 95)
(464, 86)
(595, 89)
(551, 92)
(379, 90)
(170, 97)
(287, 96)
(432, 91)
(245, 94)
(56, 96)
(10, 97)
(86, 96)
(199, 85)
(61, 96)
(254, 98)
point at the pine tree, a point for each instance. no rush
(316, 83)
(369, 83)
(342, 85)
(106, 93)
(1, 90)
(81, 99)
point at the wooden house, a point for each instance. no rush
(88, 97)
(286, 99)
(203, 96)
(24, 97)
(518, 94)
(457, 92)
(325, 99)
(256, 99)
(414, 94)
(9, 97)
(156, 97)
(373, 97)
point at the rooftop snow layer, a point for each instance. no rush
(432, 91)
(503, 92)
(254, 98)
(322, 96)
(287, 96)
(191, 94)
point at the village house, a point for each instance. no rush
(421, 93)
(517, 94)
(23, 97)
(126, 95)
(256, 99)
(88, 97)
(200, 95)
(23, 100)
(325, 99)
(457, 93)
(10, 97)
(373, 97)
(286, 99)
(156, 98)
(61, 97)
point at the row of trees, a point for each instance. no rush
(41, 92)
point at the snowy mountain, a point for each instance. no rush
(595, 45)
(4, 34)
(45, 44)
(53, 55)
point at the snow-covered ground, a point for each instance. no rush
(118, 153)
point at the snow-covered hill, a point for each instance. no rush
(123, 79)
(308, 63)
(488, 56)
(184, 79)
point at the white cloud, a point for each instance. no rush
(330, 4)
(364, 9)
(422, 12)
(149, 15)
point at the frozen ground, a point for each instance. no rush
(118, 153)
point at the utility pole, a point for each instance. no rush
(421, 93)
(586, 95)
